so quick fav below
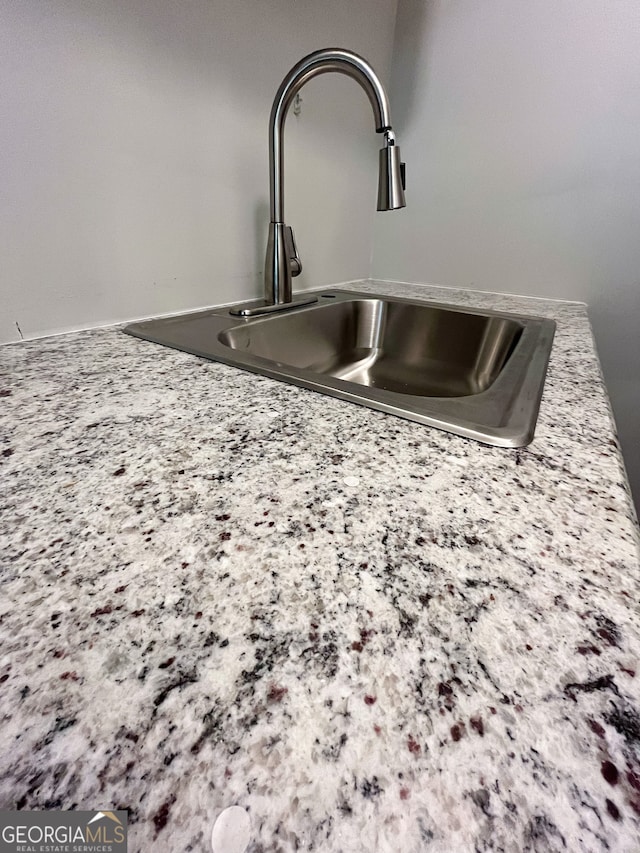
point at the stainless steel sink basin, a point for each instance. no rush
(422, 350)
(476, 373)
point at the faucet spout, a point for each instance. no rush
(282, 260)
(391, 175)
(319, 62)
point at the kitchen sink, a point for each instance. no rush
(476, 373)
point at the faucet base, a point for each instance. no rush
(254, 310)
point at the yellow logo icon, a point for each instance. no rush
(105, 834)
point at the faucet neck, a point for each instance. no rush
(319, 62)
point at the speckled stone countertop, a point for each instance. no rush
(219, 589)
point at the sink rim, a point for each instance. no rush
(504, 415)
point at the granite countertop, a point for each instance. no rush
(219, 589)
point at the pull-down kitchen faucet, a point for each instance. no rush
(282, 259)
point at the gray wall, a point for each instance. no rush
(520, 125)
(133, 153)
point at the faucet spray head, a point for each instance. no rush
(391, 179)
